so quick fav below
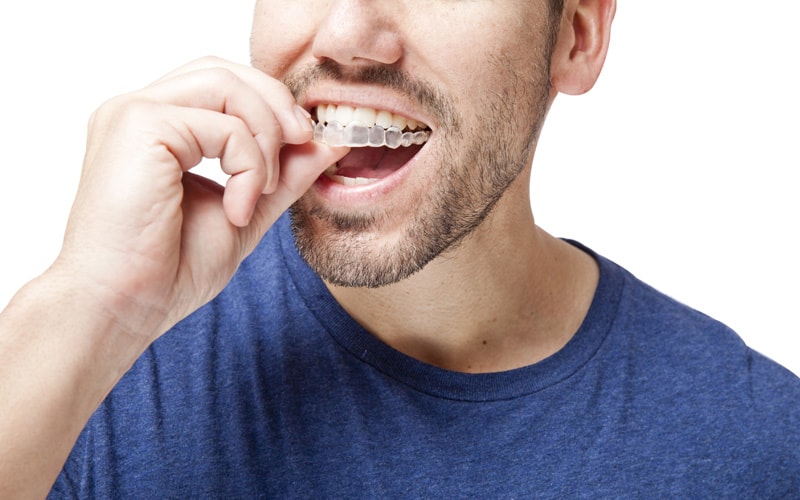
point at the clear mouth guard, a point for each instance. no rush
(358, 135)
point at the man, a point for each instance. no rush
(427, 339)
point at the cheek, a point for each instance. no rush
(281, 36)
(483, 52)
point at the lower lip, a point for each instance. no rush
(365, 194)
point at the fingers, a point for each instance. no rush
(268, 110)
(210, 72)
(216, 109)
(199, 133)
(264, 105)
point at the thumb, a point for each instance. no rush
(300, 166)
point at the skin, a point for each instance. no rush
(376, 235)
(147, 243)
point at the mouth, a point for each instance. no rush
(381, 142)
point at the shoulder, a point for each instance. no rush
(677, 337)
(688, 338)
(696, 357)
(693, 388)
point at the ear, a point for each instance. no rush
(582, 45)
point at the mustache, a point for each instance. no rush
(420, 92)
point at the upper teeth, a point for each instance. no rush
(360, 127)
(327, 113)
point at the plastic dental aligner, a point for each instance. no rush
(357, 134)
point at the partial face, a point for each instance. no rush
(469, 76)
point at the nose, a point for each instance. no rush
(359, 33)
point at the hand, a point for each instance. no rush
(155, 241)
(147, 242)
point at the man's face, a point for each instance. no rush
(473, 74)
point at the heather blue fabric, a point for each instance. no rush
(273, 391)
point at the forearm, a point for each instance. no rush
(60, 355)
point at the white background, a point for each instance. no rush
(680, 165)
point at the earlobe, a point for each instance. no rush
(581, 45)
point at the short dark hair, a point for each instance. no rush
(556, 8)
(554, 22)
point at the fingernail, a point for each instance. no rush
(303, 119)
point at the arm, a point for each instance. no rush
(147, 243)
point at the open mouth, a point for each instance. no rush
(381, 142)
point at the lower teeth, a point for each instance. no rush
(352, 181)
(357, 135)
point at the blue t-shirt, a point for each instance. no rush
(273, 391)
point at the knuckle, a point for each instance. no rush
(221, 77)
(120, 111)
(208, 61)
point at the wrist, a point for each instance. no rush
(61, 353)
(59, 310)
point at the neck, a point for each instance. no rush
(508, 296)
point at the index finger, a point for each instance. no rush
(293, 119)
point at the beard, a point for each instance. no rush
(474, 165)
